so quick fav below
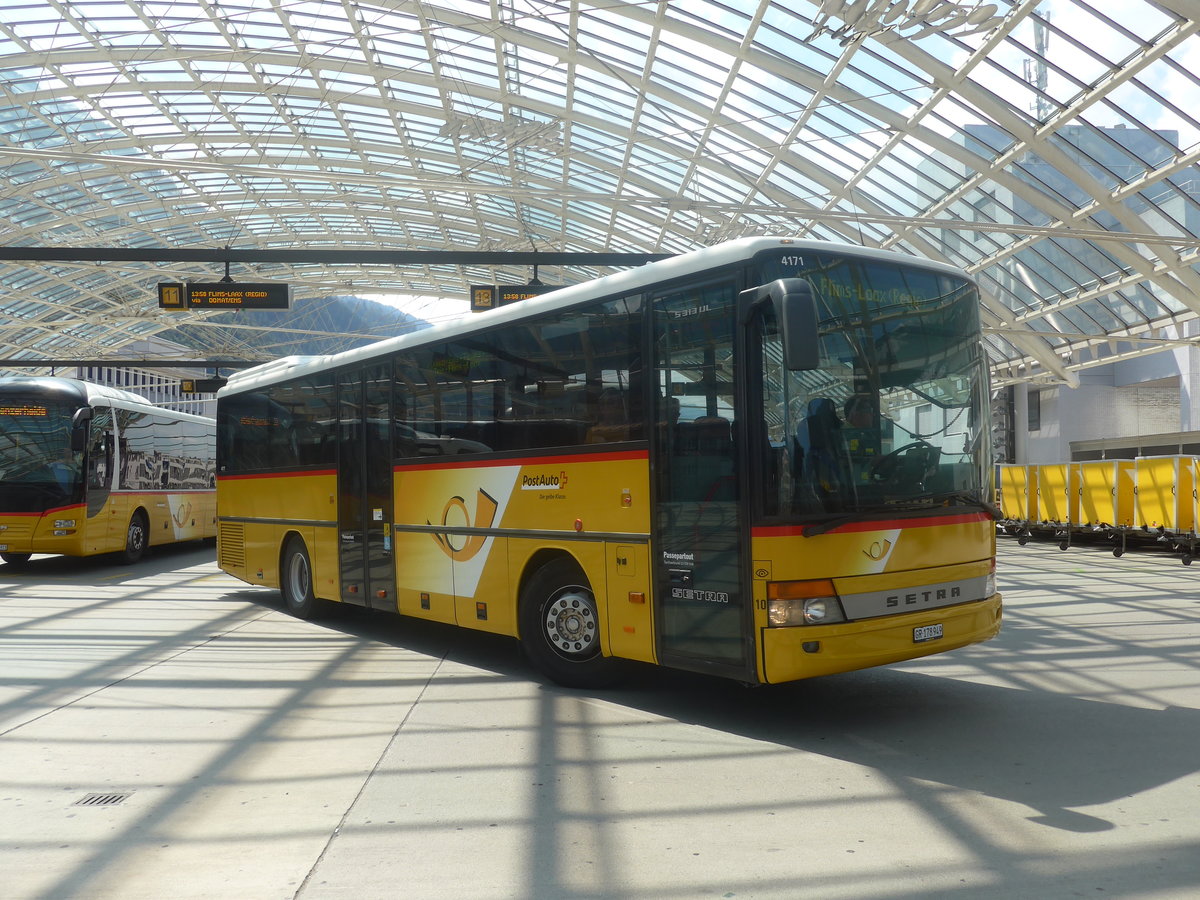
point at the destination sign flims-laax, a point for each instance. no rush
(224, 295)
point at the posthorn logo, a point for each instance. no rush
(461, 547)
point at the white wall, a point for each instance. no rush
(1156, 394)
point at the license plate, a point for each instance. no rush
(927, 633)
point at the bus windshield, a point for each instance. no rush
(894, 417)
(38, 469)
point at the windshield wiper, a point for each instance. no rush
(968, 499)
(836, 522)
(828, 525)
(917, 505)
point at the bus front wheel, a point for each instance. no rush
(560, 627)
(16, 559)
(296, 582)
(137, 537)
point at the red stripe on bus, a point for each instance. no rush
(873, 525)
(57, 510)
(471, 463)
(174, 492)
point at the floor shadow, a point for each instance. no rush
(1049, 751)
(108, 566)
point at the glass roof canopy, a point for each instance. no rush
(1048, 147)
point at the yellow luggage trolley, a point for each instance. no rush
(1105, 490)
(1165, 505)
(1018, 499)
(1057, 507)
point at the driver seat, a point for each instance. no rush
(822, 458)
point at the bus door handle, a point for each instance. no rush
(680, 577)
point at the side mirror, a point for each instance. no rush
(79, 429)
(796, 312)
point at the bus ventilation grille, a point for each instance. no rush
(232, 545)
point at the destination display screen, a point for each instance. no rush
(225, 295)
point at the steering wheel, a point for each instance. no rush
(912, 463)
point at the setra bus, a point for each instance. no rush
(766, 460)
(87, 469)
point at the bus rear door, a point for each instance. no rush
(368, 577)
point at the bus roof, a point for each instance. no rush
(727, 253)
(92, 394)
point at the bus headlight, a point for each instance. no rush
(821, 609)
(802, 603)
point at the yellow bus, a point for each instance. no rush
(87, 469)
(765, 460)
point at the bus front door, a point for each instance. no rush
(367, 573)
(701, 612)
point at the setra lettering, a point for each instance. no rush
(918, 597)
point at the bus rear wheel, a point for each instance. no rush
(137, 537)
(560, 627)
(16, 560)
(296, 581)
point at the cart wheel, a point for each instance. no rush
(1023, 539)
(1186, 559)
(1063, 545)
(1118, 552)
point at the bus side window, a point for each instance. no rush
(610, 418)
(100, 450)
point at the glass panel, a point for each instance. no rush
(894, 415)
(99, 460)
(37, 468)
(570, 379)
(365, 487)
(695, 465)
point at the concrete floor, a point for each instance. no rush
(234, 752)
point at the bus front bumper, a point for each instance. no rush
(53, 532)
(790, 654)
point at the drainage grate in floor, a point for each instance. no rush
(103, 799)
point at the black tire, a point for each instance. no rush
(16, 560)
(296, 582)
(560, 628)
(137, 538)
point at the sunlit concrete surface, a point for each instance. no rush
(256, 756)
